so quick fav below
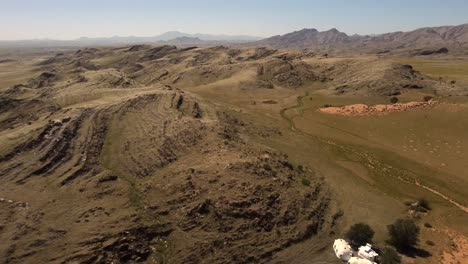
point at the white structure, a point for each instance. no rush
(342, 249)
(355, 260)
(367, 252)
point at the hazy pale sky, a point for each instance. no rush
(69, 19)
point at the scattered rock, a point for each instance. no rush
(108, 178)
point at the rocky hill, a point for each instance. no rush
(446, 36)
(105, 159)
(449, 36)
(308, 38)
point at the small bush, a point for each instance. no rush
(427, 98)
(300, 168)
(327, 105)
(427, 225)
(267, 167)
(403, 234)
(430, 243)
(424, 204)
(360, 234)
(394, 100)
(453, 82)
(305, 182)
(390, 256)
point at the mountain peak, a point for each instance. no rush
(333, 38)
(308, 38)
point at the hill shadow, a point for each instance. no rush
(416, 252)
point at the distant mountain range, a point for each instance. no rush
(171, 37)
(428, 37)
(450, 36)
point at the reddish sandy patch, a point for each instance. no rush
(458, 252)
(363, 109)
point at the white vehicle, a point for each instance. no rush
(342, 249)
(367, 252)
(355, 260)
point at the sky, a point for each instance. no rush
(70, 19)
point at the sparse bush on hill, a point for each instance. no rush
(360, 234)
(424, 204)
(305, 182)
(327, 105)
(390, 256)
(427, 98)
(421, 206)
(394, 100)
(300, 168)
(403, 234)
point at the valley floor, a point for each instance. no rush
(375, 164)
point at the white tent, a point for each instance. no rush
(342, 249)
(355, 260)
(367, 252)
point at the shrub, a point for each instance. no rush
(424, 204)
(300, 168)
(453, 82)
(390, 256)
(360, 234)
(267, 167)
(394, 100)
(305, 182)
(403, 234)
(427, 98)
(327, 105)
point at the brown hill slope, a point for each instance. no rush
(111, 163)
(143, 65)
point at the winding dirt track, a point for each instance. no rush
(410, 179)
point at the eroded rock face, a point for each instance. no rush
(261, 208)
(45, 79)
(79, 142)
(134, 245)
(285, 73)
(374, 77)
